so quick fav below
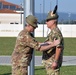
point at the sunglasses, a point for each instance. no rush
(48, 20)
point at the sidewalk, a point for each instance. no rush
(67, 60)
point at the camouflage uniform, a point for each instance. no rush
(23, 50)
(22, 53)
(49, 55)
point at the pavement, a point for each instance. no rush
(67, 60)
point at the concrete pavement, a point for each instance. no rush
(67, 60)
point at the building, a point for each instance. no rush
(10, 13)
(7, 5)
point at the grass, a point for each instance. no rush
(65, 70)
(5, 70)
(7, 46)
(70, 46)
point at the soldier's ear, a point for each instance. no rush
(28, 25)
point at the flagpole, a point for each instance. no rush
(29, 10)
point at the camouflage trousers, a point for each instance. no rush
(49, 70)
(19, 70)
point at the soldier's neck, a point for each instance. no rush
(53, 27)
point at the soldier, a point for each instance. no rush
(25, 44)
(52, 58)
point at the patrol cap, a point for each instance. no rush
(32, 20)
(52, 14)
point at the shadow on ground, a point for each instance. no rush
(6, 74)
(39, 68)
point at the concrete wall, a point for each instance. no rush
(12, 30)
(67, 30)
(10, 18)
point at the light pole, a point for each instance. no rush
(43, 15)
(69, 15)
(57, 4)
(40, 13)
(50, 5)
(21, 13)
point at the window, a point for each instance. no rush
(0, 5)
(12, 7)
(5, 6)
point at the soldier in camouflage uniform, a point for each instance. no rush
(52, 58)
(25, 44)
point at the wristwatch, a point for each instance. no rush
(55, 61)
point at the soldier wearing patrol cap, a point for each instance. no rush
(32, 21)
(52, 58)
(24, 46)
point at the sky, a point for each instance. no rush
(67, 6)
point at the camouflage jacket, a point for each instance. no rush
(24, 46)
(50, 54)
